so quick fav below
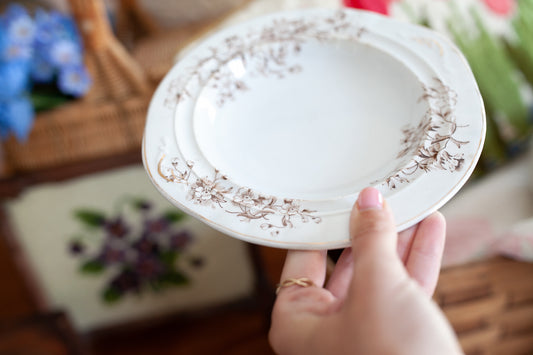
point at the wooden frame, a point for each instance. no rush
(49, 333)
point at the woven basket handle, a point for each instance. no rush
(116, 75)
(134, 23)
(90, 15)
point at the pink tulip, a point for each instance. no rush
(501, 7)
(379, 6)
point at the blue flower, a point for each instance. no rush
(14, 10)
(74, 81)
(18, 32)
(57, 41)
(65, 53)
(21, 30)
(36, 51)
(14, 78)
(4, 41)
(16, 116)
(41, 70)
(45, 28)
(66, 27)
(15, 51)
(54, 26)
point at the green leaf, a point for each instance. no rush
(175, 278)
(174, 216)
(157, 285)
(43, 102)
(92, 267)
(522, 47)
(168, 257)
(47, 96)
(520, 57)
(90, 218)
(495, 73)
(111, 295)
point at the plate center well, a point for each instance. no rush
(317, 123)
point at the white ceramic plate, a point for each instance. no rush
(267, 131)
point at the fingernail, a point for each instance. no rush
(369, 198)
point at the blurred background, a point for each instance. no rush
(94, 261)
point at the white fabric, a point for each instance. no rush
(43, 222)
(493, 216)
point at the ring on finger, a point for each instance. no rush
(302, 282)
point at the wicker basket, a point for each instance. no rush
(106, 121)
(70, 133)
(110, 119)
(490, 306)
(155, 54)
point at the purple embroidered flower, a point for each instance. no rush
(139, 254)
(180, 240)
(197, 262)
(127, 280)
(149, 267)
(116, 228)
(112, 255)
(146, 246)
(157, 226)
(76, 247)
(74, 81)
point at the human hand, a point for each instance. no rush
(378, 298)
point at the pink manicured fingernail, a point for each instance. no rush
(369, 198)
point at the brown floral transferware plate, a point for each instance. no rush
(267, 131)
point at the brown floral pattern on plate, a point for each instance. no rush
(264, 53)
(429, 141)
(275, 213)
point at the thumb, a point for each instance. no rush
(372, 228)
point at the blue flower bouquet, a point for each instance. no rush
(41, 66)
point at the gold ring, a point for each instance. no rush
(303, 282)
